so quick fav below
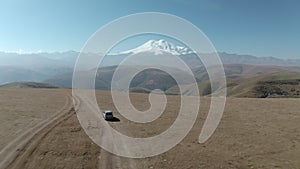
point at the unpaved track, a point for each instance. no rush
(106, 159)
(45, 145)
(11, 155)
(10, 151)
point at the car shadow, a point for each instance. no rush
(114, 119)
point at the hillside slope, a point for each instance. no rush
(280, 84)
(28, 85)
(243, 80)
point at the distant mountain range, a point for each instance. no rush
(57, 68)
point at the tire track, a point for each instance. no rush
(15, 154)
(25, 146)
(107, 159)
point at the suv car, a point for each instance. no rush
(108, 115)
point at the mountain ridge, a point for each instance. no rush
(42, 66)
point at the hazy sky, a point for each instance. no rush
(258, 27)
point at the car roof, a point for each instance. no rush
(108, 111)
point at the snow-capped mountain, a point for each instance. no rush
(159, 47)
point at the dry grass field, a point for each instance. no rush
(21, 109)
(253, 133)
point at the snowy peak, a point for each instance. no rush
(159, 47)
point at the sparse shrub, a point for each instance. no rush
(266, 90)
(207, 90)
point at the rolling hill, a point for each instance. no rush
(145, 81)
(279, 84)
(242, 80)
(28, 85)
(10, 74)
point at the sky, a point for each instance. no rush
(256, 27)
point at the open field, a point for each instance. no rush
(23, 109)
(253, 133)
(24, 113)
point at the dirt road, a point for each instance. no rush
(13, 149)
(50, 144)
